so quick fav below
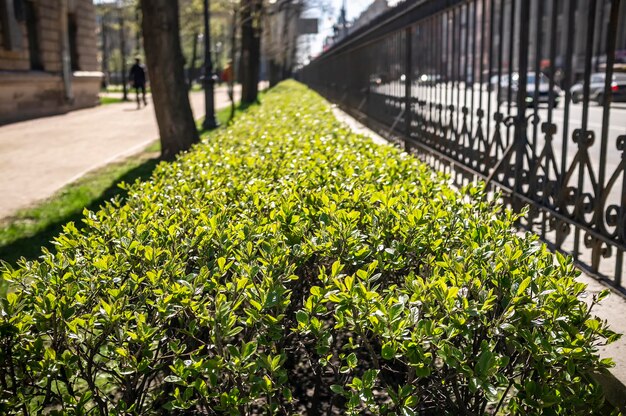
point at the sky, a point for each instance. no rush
(329, 17)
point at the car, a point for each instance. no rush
(596, 88)
(542, 95)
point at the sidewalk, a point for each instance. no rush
(38, 157)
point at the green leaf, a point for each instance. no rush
(256, 304)
(388, 351)
(592, 324)
(523, 286)
(603, 294)
(351, 360)
(336, 268)
(303, 318)
(172, 379)
(221, 262)
(337, 389)
(106, 308)
(248, 349)
(485, 362)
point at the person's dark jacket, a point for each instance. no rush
(138, 75)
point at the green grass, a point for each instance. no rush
(110, 100)
(119, 88)
(25, 233)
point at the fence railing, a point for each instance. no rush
(524, 94)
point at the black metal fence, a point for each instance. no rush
(524, 94)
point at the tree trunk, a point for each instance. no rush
(250, 49)
(167, 76)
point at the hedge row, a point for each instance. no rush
(288, 266)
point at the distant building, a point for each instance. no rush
(343, 28)
(280, 40)
(374, 10)
(48, 58)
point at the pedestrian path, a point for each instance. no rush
(38, 157)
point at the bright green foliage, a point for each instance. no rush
(289, 265)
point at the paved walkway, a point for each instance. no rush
(38, 157)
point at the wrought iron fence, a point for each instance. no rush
(526, 95)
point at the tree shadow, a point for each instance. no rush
(31, 247)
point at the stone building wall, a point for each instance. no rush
(13, 60)
(87, 42)
(33, 88)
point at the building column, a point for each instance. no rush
(66, 60)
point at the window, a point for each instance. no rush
(18, 8)
(72, 31)
(32, 29)
(9, 29)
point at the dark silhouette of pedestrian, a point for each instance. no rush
(138, 80)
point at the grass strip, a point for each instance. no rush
(110, 100)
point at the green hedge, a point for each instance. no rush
(288, 266)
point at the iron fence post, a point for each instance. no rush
(520, 119)
(611, 41)
(408, 82)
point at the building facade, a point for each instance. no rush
(374, 10)
(280, 40)
(48, 58)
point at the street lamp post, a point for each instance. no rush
(121, 20)
(209, 105)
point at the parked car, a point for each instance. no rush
(542, 95)
(596, 88)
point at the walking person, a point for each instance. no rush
(138, 80)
